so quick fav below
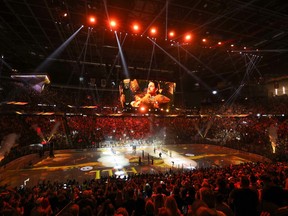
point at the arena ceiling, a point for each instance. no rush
(35, 37)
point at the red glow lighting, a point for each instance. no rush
(136, 27)
(92, 19)
(188, 37)
(204, 40)
(113, 23)
(153, 31)
(171, 34)
(142, 109)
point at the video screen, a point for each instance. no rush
(152, 94)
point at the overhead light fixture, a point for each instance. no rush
(171, 34)
(113, 24)
(135, 27)
(153, 31)
(188, 37)
(92, 20)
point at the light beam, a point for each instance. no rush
(57, 51)
(182, 66)
(125, 68)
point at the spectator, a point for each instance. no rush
(244, 200)
(171, 205)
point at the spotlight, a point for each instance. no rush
(135, 27)
(188, 37)
(171, 34)
(142, 109)
(153, 31)
(92, 19)
(113, 24)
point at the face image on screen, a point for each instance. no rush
(150, 94)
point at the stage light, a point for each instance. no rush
(171, 34)
(113, 24)
(219, 43)
(153, 31)
(92, 19)
(135, 27)
(188, 37)
(204, 40)
(142, 109)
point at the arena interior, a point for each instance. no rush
(143, 108)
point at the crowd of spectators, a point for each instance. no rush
(246, 189)
(250, 133)
(87, 117)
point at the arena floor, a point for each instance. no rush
(122, 161)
